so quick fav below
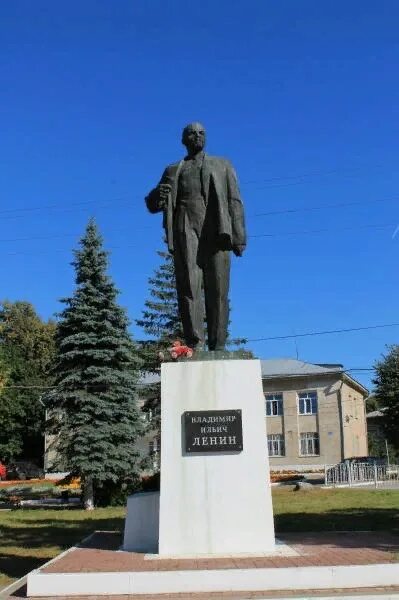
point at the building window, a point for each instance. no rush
(274, 405)
(275, 444)
(307, 403)
(309, 444)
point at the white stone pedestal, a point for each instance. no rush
(214, 503)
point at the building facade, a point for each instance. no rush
(315, 414)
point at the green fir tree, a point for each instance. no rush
(160, 318)
(161, 322)
(96, 372)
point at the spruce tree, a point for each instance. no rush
(96, 376)
(162, 324)
(160, 318)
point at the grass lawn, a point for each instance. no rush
(30, 537)
(336, 509)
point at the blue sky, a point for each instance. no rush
(301, 96)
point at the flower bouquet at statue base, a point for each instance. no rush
(176, 351)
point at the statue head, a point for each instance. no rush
(193, 137)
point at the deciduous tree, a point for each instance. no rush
(26, 354)
(387, 392)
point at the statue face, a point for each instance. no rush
(194, 137)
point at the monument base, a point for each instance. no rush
(215, 488)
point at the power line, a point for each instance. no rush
(84, 206)
(61, 250)
(273, 186)
(361, 369)
(288, 178)
(311, 174)
(324, 230)
(55, 206)
(40, 237)
(260, 235)
(279, 337)
(156, 383)
(326, 332)
(322, 207)
(60, 235)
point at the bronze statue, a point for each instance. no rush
(203, 221)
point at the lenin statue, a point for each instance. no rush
(204, 222)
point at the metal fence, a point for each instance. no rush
(361, 474)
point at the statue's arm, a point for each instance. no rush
(155, 200)
(236, 209)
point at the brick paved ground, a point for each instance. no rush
(101, 553)
(319, 549)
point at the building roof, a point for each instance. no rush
(290, 367)
(278, 367)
